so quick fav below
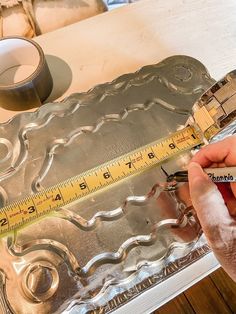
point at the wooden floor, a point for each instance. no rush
(214, 294)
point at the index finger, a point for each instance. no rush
(221, 152)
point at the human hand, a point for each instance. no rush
(216, 215)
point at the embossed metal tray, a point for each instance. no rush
(110, 247)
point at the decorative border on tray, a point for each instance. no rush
(166, 272)
(120, 299)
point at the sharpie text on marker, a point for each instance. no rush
(222, 178)
(226, 174)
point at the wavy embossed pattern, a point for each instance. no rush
(152, 274)
(88, 255)
(185, 230)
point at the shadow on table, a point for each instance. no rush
(61, 74)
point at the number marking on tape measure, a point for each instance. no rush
(37, 205)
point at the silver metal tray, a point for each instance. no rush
(106, 249)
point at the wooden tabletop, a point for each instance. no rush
(103, 47)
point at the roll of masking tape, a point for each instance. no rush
(25, 79)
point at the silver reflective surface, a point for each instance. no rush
(106, 249)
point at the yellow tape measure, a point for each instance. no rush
(37, 205)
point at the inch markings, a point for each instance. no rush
(37, 205)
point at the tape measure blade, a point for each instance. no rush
(73, 189)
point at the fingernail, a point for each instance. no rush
(194, 164)
(199, 180)
(196, 170)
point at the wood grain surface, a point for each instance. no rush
(215, 294)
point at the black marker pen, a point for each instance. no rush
(226, 174)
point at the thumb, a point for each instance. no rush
(207, 200)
